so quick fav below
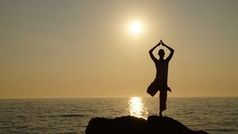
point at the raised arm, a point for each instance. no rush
(171, 52)
(151, 52)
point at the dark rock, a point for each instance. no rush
(134, 125)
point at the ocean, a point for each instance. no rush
(55, 116)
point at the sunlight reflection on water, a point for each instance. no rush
(137, 108)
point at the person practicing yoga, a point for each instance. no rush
(160, 82)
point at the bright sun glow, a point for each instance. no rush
(135, 27)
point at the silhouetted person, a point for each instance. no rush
(160, 82)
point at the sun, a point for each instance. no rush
(135, 27)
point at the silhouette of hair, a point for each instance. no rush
(161, 53)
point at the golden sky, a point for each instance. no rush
(83, 48)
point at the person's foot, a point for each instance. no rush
(160, 113)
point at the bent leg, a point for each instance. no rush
(152, 89)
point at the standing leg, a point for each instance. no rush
(163, 99)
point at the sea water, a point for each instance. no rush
(22, 116)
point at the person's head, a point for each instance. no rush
(161, 53)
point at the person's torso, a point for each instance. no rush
(162, 71)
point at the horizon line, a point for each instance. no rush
(101, 97)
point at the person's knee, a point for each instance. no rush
(163, 92)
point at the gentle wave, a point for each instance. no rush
(73, 115)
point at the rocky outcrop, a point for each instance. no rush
(134, 125)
